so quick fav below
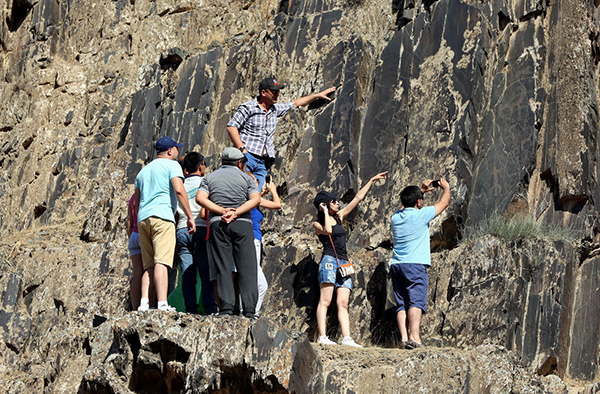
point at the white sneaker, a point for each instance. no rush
(143, 307)
(323, 340)
(167, 308)
(349, 342)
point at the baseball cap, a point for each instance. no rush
(269, 83)
(323, 197)
(165, 143)
(231, 154)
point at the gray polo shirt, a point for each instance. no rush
(228, 187)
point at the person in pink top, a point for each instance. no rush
(135, 253)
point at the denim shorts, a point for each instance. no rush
(328, 272)
(134, 244)
(410, 283)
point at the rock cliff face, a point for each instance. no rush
(499, 97)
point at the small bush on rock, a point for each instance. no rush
(519, 228)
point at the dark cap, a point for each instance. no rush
(323, 197)
(165, 143)
(269, 83)
(231, 154)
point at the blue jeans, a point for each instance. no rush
(328, 272)
(193, 258)
(257, 167)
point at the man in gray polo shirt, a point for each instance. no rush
(229, 195)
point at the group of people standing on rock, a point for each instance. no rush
(212, 222)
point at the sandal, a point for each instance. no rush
(414, 345)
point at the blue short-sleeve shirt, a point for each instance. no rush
(410, 228)
(157, 196)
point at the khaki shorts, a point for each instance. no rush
(157, 239)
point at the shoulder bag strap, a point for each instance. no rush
(207, 227)
(334, 251)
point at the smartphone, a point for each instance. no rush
(435, 183)
(268, 179)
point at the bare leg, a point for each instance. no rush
(136, 281)
(161, 281)
(343, 296)
(324, 300)
(414, 322)
(149, 273)
(402, 324)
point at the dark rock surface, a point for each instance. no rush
(172, 353)
(499, 97)
(155, 352)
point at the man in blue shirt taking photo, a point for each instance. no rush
(411, 257)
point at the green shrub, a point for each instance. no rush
(519, 228)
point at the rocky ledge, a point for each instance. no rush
(157, 352)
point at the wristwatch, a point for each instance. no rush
(241, 148)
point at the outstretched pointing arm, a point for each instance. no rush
(304, 101)
(360, 195)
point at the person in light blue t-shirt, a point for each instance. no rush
(158, 189)
(411, 257)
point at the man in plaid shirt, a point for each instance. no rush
(253, 126)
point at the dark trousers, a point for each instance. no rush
(234, 242)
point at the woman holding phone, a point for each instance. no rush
(257, 218)
(332, 235)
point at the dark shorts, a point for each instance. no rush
(410, 285)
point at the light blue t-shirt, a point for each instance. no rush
(410, 228)
(157, 196)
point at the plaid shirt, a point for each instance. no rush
(257, 127)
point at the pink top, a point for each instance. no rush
(133, 215)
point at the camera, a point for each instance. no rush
(435, 183)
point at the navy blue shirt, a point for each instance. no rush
(257, 218)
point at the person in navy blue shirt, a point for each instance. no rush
(257, 218)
